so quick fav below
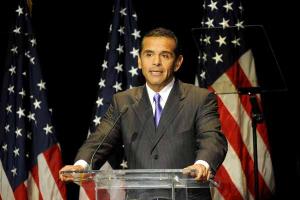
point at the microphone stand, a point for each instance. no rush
(124, 109)
(257, 117)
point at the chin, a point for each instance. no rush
(155, 82)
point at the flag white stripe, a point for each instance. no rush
(265, 166)
(196, 80)
(32, 188)
(47, 183)
(247, 64)
(215, 194)
(82, 194)
(232, 165)
(5, 188)
(237, 111)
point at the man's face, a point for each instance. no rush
(158, 61)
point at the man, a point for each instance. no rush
(165, 124)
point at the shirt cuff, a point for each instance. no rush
(202, 162)
(82, 163)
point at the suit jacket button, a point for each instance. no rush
(155, 156)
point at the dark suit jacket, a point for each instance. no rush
(189, 130)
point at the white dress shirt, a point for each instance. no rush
(164, 93)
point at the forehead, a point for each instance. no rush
(161, 43)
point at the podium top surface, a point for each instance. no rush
(138, 178)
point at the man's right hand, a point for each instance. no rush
(69, 177)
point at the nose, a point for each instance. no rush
(156, 60)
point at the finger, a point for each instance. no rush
(193, 173)
(186, 170)
(67, 179)
(202, 174)
(199, 175)
(66, 176)
(208, 175)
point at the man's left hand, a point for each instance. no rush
(198, 171)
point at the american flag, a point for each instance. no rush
(119, 69)
(30, 153)
(226, 63)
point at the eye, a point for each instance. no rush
(165, 55)
(148, 54)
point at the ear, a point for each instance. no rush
(178, 63)
(139, 62)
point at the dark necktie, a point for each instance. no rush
(158, 108)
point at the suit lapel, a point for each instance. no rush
(173, 106)
(144, 113)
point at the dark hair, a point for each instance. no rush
(162, 32)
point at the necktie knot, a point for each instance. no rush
(158, 108)
(156, 98)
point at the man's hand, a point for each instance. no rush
(69, 177)
(198, 171)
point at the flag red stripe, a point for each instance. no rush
(54, 161)
(246, 83)
(103, 194)
(232, 132)
(237, 143)
(88, 187)
(238, 78)
(35, 176)
(227, 187)
(20, 192)
(235, 74)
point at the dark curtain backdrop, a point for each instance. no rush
(71, 38)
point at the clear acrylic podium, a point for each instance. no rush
(140, 184)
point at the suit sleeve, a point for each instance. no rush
(211, 143)
(107, 136)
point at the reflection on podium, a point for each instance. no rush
(141, 184)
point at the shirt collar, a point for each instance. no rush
(164, 93)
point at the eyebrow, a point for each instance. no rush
(147, 51)
(163, 52)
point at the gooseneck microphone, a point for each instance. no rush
(123, 110)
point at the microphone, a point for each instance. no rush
(249, 90)
(256, 112)
(124, 109)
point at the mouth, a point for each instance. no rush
(155, 72)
